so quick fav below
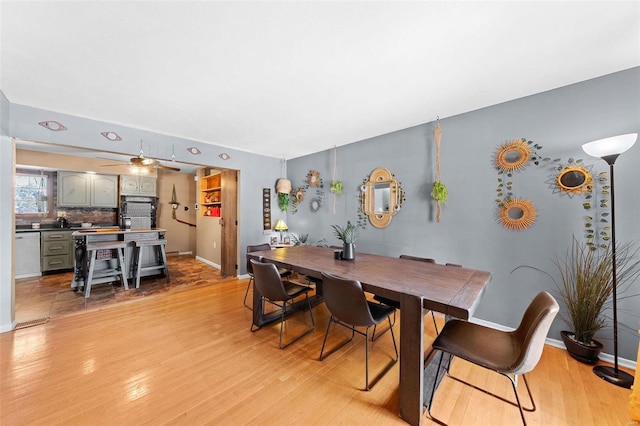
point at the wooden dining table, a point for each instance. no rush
(415, 285)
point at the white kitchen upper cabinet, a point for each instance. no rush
(104, 191)
(147, 185)
(74, 189)
(78, 189)
(137, 185)
(128, 184)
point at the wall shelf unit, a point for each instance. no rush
(211, 195)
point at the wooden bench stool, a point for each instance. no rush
(161, 256)
(105, 275)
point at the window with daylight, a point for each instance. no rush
(33, 196)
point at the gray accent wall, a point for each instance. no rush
(468, 233)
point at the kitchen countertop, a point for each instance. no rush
(111, 231)
(53, 227)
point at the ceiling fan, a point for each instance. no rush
(143, 162)
(151, 163)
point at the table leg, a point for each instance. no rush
(411, 359)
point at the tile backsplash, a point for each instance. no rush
(77, 215)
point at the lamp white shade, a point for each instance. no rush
(614, 145)
(280, 225)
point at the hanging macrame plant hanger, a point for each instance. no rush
(439, 190)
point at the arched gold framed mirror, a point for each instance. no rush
(574, 180)
(513, 155)
(381, 197)
(517, 214)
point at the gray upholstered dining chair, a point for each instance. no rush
(510, 353)
(349, 307)
(396, 304)
(284, 273)
(273, 290)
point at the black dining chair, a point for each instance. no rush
(509, 353)
(273, 290)
(349, 307)
(396, 304)
(284, 273)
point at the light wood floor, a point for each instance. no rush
(188, 358)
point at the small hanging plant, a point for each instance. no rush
(283, 187)
(336, 187)
(439, 192)
(283, 201)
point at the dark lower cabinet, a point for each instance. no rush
(56, 250)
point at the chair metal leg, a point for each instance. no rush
(375, 327)
(284, 311)
(375, 337)
(326, 334)
(246, 293)
(366, 358)
(514, 385)
(435, 326)
(435, 385)
(388, 367)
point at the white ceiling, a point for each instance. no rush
(287, 79)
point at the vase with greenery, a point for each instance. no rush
(348, 235)
(585, 287)
(299, 239)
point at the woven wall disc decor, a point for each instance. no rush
(517, 214)
(574, 180)
(513, 155)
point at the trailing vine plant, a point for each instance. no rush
(362, 220)
(597, 226)
(510, 157)
(594, 191)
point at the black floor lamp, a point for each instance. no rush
(609, 149)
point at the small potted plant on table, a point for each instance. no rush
(348, 235)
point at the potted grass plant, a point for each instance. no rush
(585, 286)
(348, 235)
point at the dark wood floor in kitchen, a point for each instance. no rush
(51, 295)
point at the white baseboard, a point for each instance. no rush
(623, 362)
(31, 275)
(8, 327)
(208, 262)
